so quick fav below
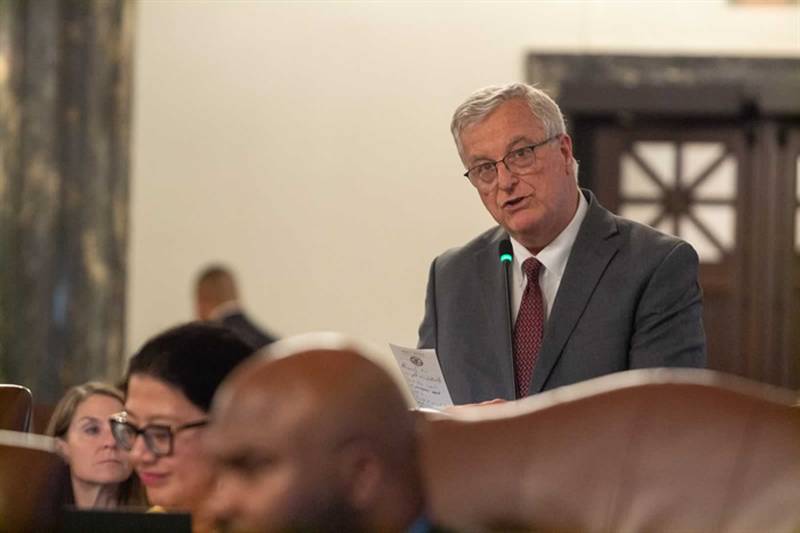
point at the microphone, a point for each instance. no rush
(506, 256)
(506, 251)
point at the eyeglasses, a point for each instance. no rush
(159, 438)
(519, 160)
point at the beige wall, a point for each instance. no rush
(307, 144)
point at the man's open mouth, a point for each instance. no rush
(513, 202)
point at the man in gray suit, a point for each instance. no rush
(605, 294)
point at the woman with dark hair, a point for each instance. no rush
(170, 383)
(99, 471)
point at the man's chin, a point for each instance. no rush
(523, 231)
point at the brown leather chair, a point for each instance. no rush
(41, 417)
(645, 450)
(16, 407)
(32, 483)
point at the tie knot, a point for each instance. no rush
(531, 268)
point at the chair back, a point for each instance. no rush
(32, 483)
(16, 407)
(645, 450)
(42, 412)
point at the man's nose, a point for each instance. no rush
(505, 178)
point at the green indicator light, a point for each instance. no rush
(506, 258)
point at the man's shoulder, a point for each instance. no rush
(644, 239)
(236, 316)
(487, 239)
(639, 238)
(241, 324)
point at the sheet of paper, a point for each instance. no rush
(423, 375)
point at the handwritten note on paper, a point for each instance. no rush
(423, 375)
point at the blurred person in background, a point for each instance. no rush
(170, 383)
(100, 473)
(217, 300)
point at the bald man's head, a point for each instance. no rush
(321, 439)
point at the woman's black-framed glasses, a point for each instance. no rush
(158, 438)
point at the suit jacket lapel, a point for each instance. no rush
(594, 247)
(491, 276)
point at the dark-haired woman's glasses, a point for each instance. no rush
(158, 438)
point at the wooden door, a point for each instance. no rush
(732, 192)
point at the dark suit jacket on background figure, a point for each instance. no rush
(240, 324)
(629, 298)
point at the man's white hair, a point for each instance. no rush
(483, 101)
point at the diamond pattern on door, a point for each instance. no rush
(688, 189)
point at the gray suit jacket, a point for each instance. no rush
(629, 298)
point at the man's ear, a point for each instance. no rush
(565, 148)
(361, 470)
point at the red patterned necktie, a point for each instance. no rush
(528, 328)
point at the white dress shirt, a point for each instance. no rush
(553, 258)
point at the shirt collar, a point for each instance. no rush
(553, 256)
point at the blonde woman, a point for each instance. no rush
(100, 473)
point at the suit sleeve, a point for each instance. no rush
(427, 329)
(669, 318)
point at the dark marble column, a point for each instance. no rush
(65, 93)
